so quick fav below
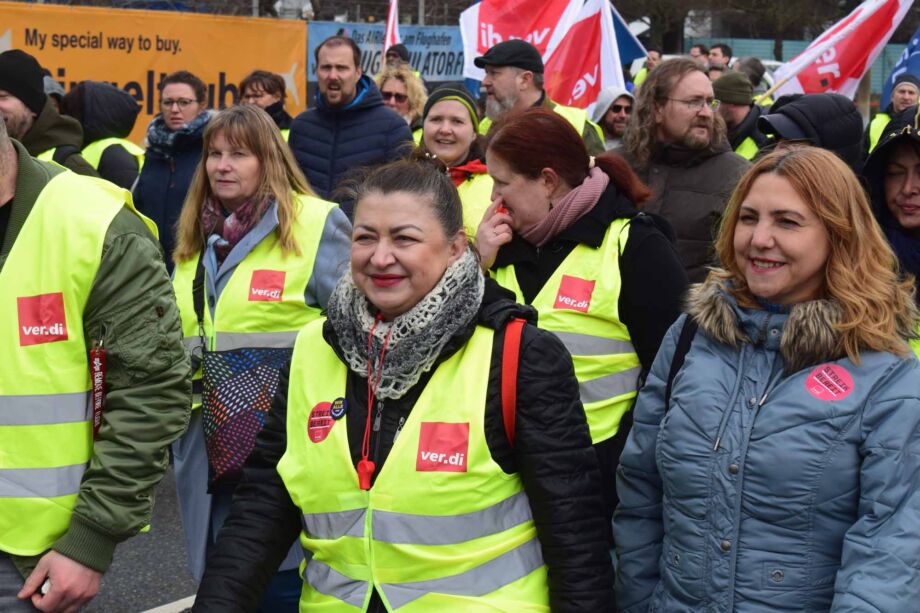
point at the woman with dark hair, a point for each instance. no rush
(774, 462)
(892, 174)
(267, 91)
(173, 152)
(415, 482)
(450, 134)
(565, 234)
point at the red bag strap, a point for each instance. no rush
(511, 353)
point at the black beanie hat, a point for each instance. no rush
(21, 76)
(453, 93)
(906, 78)
(401, 50)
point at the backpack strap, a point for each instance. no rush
(198, 302)
(687, 332)
(511, 354)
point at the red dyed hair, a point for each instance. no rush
(539, 138)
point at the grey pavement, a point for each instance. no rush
(150, 569)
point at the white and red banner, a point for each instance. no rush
(542, 23)
(391, 36)
(586, 60)
(837, 60)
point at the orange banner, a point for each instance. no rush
(134, 50)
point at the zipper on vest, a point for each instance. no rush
(402, 422)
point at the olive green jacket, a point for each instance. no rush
(132, 308)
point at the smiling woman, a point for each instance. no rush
(777, 465)
(391, 418)
(450, 125)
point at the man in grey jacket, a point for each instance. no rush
(676, 143)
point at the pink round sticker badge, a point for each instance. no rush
(829, 382)
(320, 422)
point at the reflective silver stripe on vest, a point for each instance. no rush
(40, 482)
(609, 386)
(335, 525)
(449, 529)
(228, 341)
(44, 409)
(479, 581)
(586, 344)
(330, 582)
(192, 343)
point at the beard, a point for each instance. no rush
(17, 126)
(495, 107)
(692, 140)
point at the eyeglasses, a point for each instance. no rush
(400, 98)
(696, 104)
(616, 108)
(183, 103)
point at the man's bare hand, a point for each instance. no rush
(72, 584)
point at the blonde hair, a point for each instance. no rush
(415, 89)
(861, 274)
(250, 127)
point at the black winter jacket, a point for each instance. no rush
(651, 295)
(163, 183)
(330, 142)
(279, 115)
(552, 453)
(748, 128)
(107, 112)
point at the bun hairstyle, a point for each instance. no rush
(424, 178)
(539, 138)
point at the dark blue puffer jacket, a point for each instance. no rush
(328, 142)
(164, 181)
(782, 478)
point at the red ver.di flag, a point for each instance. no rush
(542, 23)
(837, 60)
(586, 60)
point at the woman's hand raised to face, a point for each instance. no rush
(493, 232)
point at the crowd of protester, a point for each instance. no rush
(425, 349)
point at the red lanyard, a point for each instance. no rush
(366, 467)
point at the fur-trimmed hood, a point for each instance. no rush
(805, 336)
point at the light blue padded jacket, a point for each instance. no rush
(783, 477)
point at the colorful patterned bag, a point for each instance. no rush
(238, 389)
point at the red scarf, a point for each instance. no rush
(459, 174)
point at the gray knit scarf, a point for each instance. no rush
(417, 336)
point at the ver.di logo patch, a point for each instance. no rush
(41, 319)
(266, 286)
(829, 382)
(442, 447)
(574, 294)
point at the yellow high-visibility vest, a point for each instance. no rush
(443, 528)
(262, 304)
(878, 125)
(575, 116)
(92, 153)
(580, 304)
(46, 431)
(747, 149)
(476, 196)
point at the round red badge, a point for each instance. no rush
(829, 382)
(320, 422)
